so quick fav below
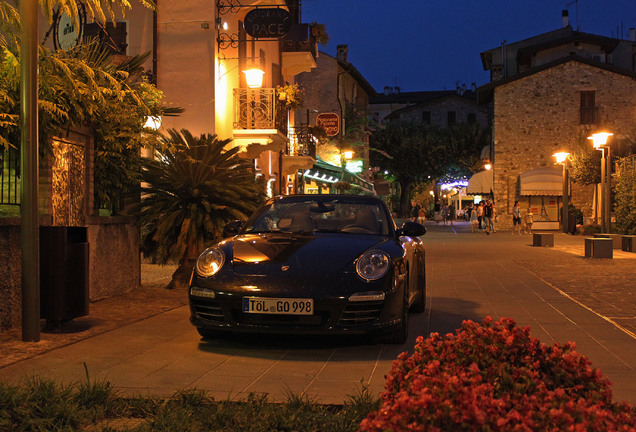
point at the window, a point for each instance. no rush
(452, 118)
(426, 117)
(110, 35)
(589, 110)
(472, 118)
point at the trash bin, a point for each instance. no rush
(63, 274)
(572, 223)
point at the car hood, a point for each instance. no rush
(310, 255)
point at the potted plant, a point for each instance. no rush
(291, 95)
(319, 32)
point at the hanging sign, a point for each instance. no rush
(270, 23)
(330, 122)
(66, 33)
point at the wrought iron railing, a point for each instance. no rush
(259, 109)
(301, 142)
(299, 39)
(10, 177)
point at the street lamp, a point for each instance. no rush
(254, 77)
(488, 167)
(599, 141)
(562, 158)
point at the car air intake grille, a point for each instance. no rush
(271, 320)
(360, 313)
(209, 311)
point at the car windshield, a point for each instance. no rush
(337, 215)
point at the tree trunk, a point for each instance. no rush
(405, 192)
(181, 276)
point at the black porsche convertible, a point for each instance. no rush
(319, 264)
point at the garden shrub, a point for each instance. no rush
(495, 377)
(589, 229)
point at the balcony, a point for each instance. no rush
(260, 121)
(301, 151)
(300, 142)
(298, 49)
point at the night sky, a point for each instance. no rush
(435, 44)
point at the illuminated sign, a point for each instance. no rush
(354, 166)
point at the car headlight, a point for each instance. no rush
(210, 262)
(372, 265)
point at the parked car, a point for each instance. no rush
(314, 264)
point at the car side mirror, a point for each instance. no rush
(411, 229)
(232, 228)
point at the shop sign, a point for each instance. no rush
(330, 122)
(354, 166)
(268, 23)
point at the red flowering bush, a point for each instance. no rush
(495, 377)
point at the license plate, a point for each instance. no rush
(281, 306)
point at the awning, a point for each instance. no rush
(325, 172)
(480, 183)
(542, 181)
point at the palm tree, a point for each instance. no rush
(194, 188)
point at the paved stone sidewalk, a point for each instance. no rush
(143, 342)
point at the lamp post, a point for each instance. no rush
(599, 141)
(562, 158)
(488, 167)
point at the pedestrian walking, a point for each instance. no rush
(421, 216)
(415, 211)
(451, 213)
(445, 213)
(516, 219)
(474, 222)
(489, 217)
(437, 211)
(529, 221)
(480, 215)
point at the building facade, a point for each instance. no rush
(335, 105)
(550, 93)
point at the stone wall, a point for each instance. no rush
(10, 275)
(538, 115)
(114, 263)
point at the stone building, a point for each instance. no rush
(548, 94)
(538, 113)
(441, 108)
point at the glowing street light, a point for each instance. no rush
(562, 158)
(254, 77)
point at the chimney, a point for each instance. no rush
(342, 53)
(387, 90)
(565, 18)
(396, 90)
(632, 34)
(473, 87)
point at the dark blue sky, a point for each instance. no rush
(434, 44)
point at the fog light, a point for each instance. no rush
(202, 292)
(367, 296)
